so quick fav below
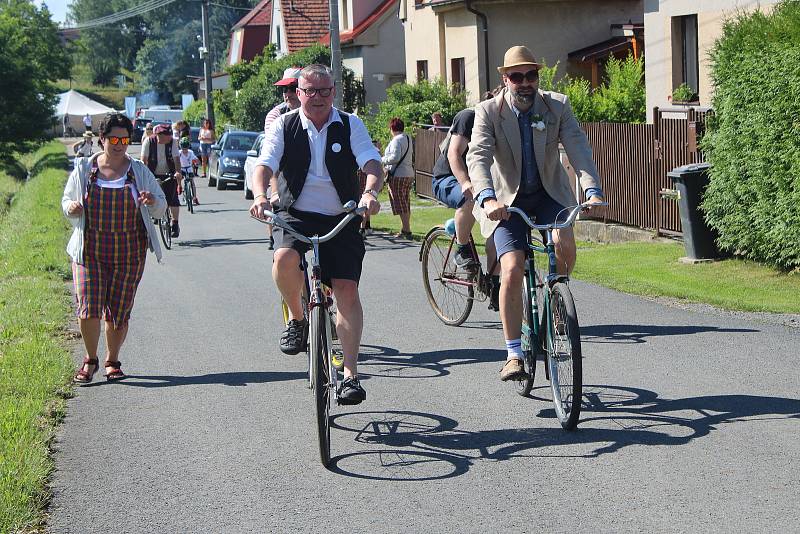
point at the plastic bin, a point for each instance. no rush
(698, 239)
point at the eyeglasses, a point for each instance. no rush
(311, 91)
(117, 140)
(289, 88)
(517, 77)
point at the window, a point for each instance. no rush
(459, 78)
(691, 74)
(422, 70)
(685, 59)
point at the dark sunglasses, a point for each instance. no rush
(117, 140)
(322, 91)
(289, 89)
(517, 77)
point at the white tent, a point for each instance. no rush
(71, 108)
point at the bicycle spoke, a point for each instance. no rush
(450, 290)
(564, 356)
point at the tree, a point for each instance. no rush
(31, 59)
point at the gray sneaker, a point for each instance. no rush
(465, 261)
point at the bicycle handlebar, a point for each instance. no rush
(350, 208)
(555, 226)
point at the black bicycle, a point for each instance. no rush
(322, 346)
(188, 187)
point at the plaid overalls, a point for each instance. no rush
(114, 253)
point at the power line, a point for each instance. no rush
(112, 18)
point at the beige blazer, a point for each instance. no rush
(494, 158)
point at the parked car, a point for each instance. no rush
(139, 124)
(194, 138)
(226, 161)
(250, 166)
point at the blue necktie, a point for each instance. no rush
(529, 181)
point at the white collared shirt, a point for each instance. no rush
(319, 194)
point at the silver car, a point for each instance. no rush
(250, 166)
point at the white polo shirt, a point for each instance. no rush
(319, 194)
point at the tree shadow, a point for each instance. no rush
(225, 379)
(50, 161)
(638, 333)
(422, 446)
(200, 210)
(219, 242)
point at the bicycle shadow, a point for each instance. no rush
(219, 242)
(387, 362)
(382, 241)
(418, 446)
(200, 209)
(638, 333)
(225, 379)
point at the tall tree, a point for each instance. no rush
(32, 57)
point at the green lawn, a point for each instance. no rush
(35, 363)
(650, 269)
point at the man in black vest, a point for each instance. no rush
(318, 150)
(162, 156)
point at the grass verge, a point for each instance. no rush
(649, 269)
(35, 364)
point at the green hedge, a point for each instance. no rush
(753, 142)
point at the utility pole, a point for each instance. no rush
(336, 53)
(206, 56)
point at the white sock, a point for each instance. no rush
(514, 349)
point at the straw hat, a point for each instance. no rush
(88, 135)
(517, 56)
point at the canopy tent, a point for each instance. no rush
(71, 108)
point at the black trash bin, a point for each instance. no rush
(698, 239)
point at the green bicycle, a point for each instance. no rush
(550, 326)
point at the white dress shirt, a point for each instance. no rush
(319, 194)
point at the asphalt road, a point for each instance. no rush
(690, 420)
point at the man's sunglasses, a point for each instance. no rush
(322, 91)
(289, 89)
(117, 140)
(517, 77)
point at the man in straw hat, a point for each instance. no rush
(84, 147)
(513, 160)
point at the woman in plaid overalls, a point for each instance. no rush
(110, 199)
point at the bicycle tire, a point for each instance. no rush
(187, 195)
(564, 356)
(165, 229)
(523, 387)
(320, 370)
(450, 301)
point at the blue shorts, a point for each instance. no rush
(513, 233)
(205, 149)
(448, 191)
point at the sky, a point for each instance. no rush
(58, 8)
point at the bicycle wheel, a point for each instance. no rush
(320, 380)
(450, 290)
(564, 356)
(523, 387)
(165, 228)
(187, 195)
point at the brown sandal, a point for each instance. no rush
(85, 377)
(116, 374)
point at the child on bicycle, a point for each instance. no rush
(188, 163)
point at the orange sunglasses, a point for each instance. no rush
(117, 140)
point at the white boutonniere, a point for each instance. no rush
(537, 122)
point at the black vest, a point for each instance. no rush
(152, 155)
(296, 160)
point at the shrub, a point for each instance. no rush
(222, 110)
(414, 103)
(753, 143)
(621, 97)
(683, 93)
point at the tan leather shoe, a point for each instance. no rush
(513, 370)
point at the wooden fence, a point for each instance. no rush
(632, 159)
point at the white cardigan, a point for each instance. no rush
(394, 151)
(76, 189)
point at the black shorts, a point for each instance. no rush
(170, 188)
(341, 257)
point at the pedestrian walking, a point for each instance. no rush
(110, 199)
(207, 136)
(398, 160)
(87, 122)
(85, 147)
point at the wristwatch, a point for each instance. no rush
(371, 192)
